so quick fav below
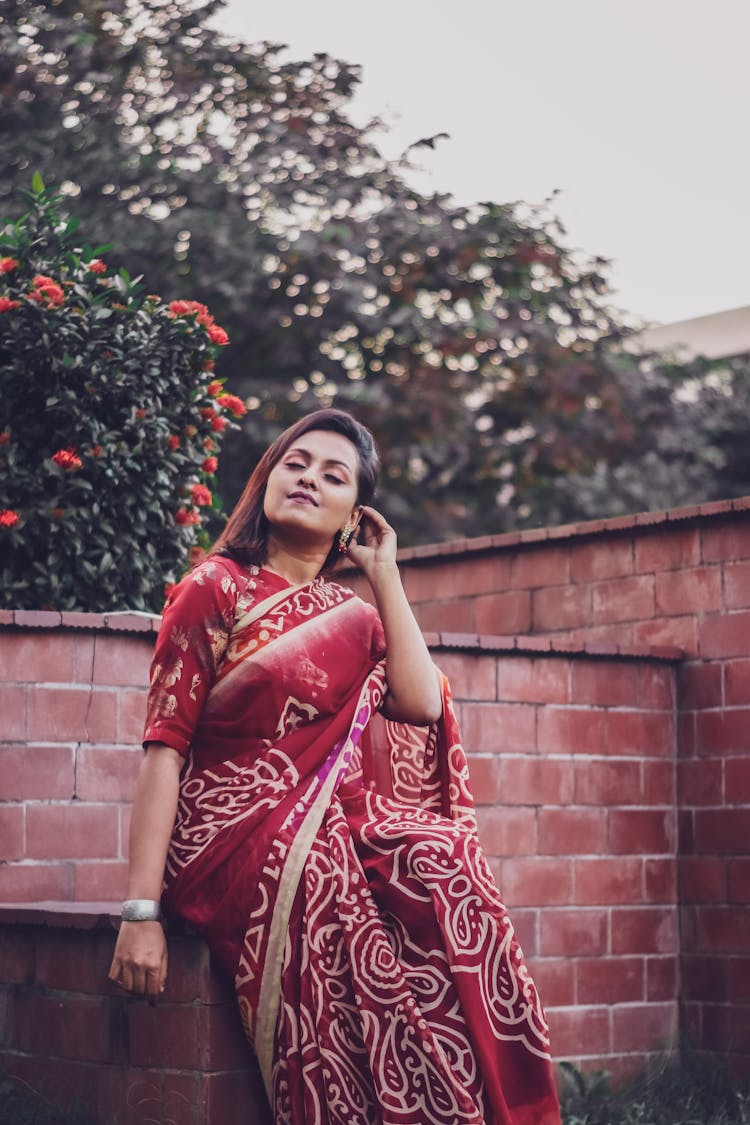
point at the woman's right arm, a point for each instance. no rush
(140, 960)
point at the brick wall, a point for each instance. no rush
(613, 794)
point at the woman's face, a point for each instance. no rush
(312, 490)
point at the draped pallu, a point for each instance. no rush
(331, 859)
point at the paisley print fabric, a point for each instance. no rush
(331, 859)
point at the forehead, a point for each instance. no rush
(324, 445)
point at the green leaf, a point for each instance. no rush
(37, 184)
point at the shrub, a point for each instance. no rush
(111, 421)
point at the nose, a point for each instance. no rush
(307, 480)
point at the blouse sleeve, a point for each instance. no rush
(192, 640)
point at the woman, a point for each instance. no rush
(376, 969)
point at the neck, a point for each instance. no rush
(295, 563)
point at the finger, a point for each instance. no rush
(153, 982)
(114, 970)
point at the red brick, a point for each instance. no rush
(572, 831)
(560, 607)
(644, 930)
(58, 714)
(35, 882)
(725, 635)
(650, 733)
(624, 599)
(731, 541)
(610, 980)
(74, 1027)
(563, 730)
(556, 980)
(686, 733)
(737, 585)
(17, 956)
(667, 550)
(37, 657)
(543, 566)
(700, 686)
(471, 677)
(446, 616)
(484, 777)
(485, 575)
(123, 661)
(640, 831)
(699, 588)
(11, 832)
(604, 881)
(71, 832)
(738, 975)
(577, 933)
(602, 559)
(426, 583)
(656, 687)
(36, 772)
(537, 881)
(100, 881)
(106, 774)
(579, 1031)
(645, 1027)
(498, 728)
(701, 781)
(508, 612)
(72, 960)
(703, 879)
(721, 731)
(739, 880)
(662, 978)
(660, 880)
(131, 716)
(736, 684)
(659, 782)
(724, 929)
(679, 631)
(526, 927)
(13, 708)
(102, 718)
(605, 683)
(522, 679)
(506, 831)
(226, 1091)
(535, 781)
(726, 1027)
(605, 783)
(37, 618)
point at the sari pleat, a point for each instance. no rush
(332, 861)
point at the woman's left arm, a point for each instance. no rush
(413, 686)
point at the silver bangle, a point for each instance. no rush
(141, 910)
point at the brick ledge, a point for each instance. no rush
(553, 646)
(121, 622)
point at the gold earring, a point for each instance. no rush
(346, 534)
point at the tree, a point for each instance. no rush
(481, 352)
(111, 421)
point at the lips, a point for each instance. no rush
(305, 497)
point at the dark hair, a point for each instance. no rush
(245, 537)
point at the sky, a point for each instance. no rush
(634, 112)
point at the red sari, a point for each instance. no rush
(340, 882)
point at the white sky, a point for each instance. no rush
(638, 111)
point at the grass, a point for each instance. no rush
(694, 1090)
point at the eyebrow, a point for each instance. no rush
(330, 461)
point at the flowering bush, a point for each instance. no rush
(111, 421)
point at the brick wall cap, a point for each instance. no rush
(133, 621)
(69, 915)
(552, 646)
(615, 525)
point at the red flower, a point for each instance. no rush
(7, 264)
(97, 266)
(201, 496)
(196, 555)
(208, 413)
(185, 517)
(219, 424)
(47, 289)
(67, 459)
(210, 465)
(5, 437)
(215, 388)
(141, 413)
(209, 365)
(96, 450)
(233, 403)
(190, 431)
(217, 335)
(188, 308)
(9, 518)
(209, 444)
(57, 513)
(173, 442)
(6, 304)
